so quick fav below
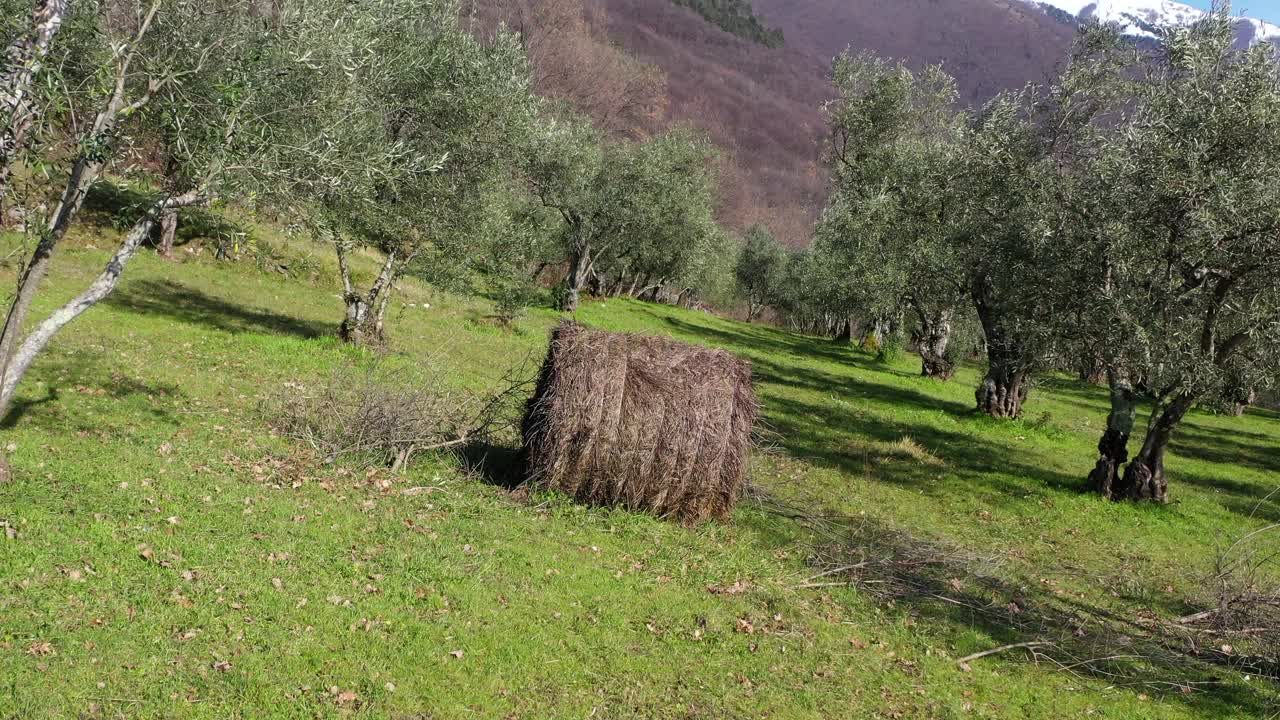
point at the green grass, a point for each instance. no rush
(172, 558)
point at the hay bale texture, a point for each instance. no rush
(647, 423)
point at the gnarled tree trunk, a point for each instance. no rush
(579, 269)
(168, 231)
(1003, 391)
(1092, 369)
(844, 331)
(362, 321)
(1004, 388)
(1239, 399)
(1144, 479)
(1113, 448)
(934, 341)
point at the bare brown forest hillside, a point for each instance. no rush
(762, 104)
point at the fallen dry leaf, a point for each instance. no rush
(457, 654)
(40, 648)
(222, 666)
(737, 588)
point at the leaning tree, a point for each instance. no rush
(1189, 270)
(174, 60)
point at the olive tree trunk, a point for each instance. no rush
(1003, 391)
(934, 341)
(579, 270)
(362, 322)
(1144, 478)
(1239, 399)
(873, 334)
(844, 331)
(168, 231)
(1007, 382)
(1113, 448)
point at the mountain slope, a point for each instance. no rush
(762, 104)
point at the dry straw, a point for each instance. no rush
(647, 423)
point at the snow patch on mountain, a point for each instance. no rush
(1142, 17)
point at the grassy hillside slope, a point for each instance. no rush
(169, 557)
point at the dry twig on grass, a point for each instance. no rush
(1127, 645)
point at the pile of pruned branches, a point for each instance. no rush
(382, 415)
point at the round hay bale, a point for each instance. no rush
(647, 423)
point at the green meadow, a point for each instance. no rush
(167, 555)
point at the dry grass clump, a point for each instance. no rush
(903, 449)
(647, 423)
(1242, 594)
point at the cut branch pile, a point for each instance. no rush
(646, 423)
(383, 416)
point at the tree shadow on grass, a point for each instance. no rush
(497, 465)
(865, 442)
(1122, 644)
(84, 378)
(1251, 500)
(769, 340)
(828, 383)
(179, 302)
(23, 406)
(1223, 446)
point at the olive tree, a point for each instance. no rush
(759, 269)
(638, 207)
(1024, 158)
(424, 118)
(175, 58)
(895, 222)
(1188, 306)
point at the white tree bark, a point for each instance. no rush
(23, 61)
(358, 325)
(84, 171)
